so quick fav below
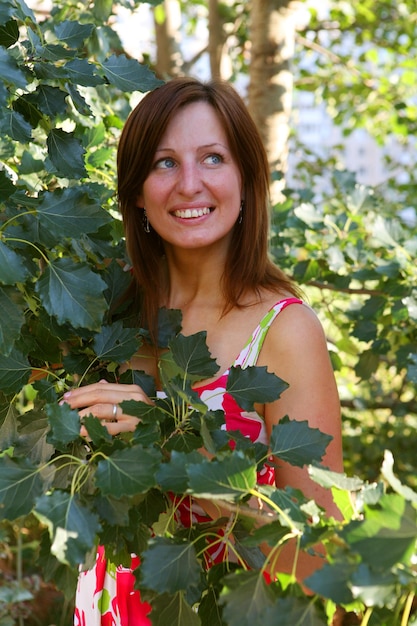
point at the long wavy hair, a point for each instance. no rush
(248, 266)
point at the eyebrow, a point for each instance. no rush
(203, 147)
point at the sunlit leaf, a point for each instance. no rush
(387, 534)
(72, 527)
(229, 479)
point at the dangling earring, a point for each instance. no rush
(145, 222)
(240, 218)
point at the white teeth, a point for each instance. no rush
(190, 213)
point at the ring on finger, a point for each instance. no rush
(114, 413)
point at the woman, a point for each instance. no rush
(193, 190)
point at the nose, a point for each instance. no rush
(190, 181)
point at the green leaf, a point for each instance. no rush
(11, 322)
(72, 293)
(20, 485)
(173, 476)
(229, 479)
(15, 126)
(70, 213)
(66, 154)
(293, 612)
(6, 186)
(128, 471)
(72, 527)
(333, 581)
(298, 444)
(8, 423)
(192, 356)
(12, 268)
(9, 33)
(245, 598)
(129, 75)
(81, 72)
(116, 343)
(15, 370)
(173, 610)
(373, 588)
(10, 73)
(64, 423)
(72, 33)
(169, 566)
(254, 384)
(387, 535)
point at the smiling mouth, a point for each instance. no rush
(192, 213)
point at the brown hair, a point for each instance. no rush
(248, 266)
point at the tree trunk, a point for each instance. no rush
(215, 38)
(271, 81)
(167, 18)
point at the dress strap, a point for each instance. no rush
(250, 353)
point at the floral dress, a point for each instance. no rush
(105, 594)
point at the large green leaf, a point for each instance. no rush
(72, 33)
(293, 612)
(10, 73)
(192, 356)
(173, 610)
(169, 566)
(387, 535)
(11, 322)
(15, 370)
(245, 598)
(173, 476)
(8, 423)
(12, 268)
(116, 343)
(15, 126)
(128, 471)
(6, 186)
(128, 74)
(20, 485)
(72, 293)
(297, 443)
(72, 527)
(70, 213)
(254, 384)
(230, 478)
(66, 154)
(64, 423)
(333, 581)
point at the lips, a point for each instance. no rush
(192, 213)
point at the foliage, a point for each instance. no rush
(64, 93)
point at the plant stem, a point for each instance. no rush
(407, 608)
(367, 616)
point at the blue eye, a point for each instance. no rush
(214, 159)
(165, 163)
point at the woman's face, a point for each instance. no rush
(193, 193)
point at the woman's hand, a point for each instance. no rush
(103, 400)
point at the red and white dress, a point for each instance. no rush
(105, 594)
